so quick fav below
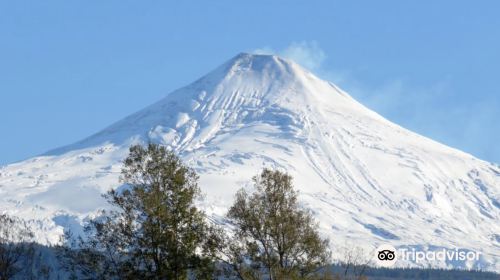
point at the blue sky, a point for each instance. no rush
(70, 68)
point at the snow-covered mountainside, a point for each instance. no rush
(368, 181)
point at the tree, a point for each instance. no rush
(274, 237)
(156, 231)
(354, 263)
(15, 246)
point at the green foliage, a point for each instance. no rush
(274, 237)
(156, 231)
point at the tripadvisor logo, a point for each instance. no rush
(386, 255)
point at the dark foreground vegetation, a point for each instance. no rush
(373, 273)
(156, 232)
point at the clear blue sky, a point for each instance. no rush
(70, 68)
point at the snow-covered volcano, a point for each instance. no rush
(367, 180)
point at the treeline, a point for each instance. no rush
(18, 254)
(155, 231)
(374, 273)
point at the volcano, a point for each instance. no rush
(367, 180)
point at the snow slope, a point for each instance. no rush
(368, 181)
